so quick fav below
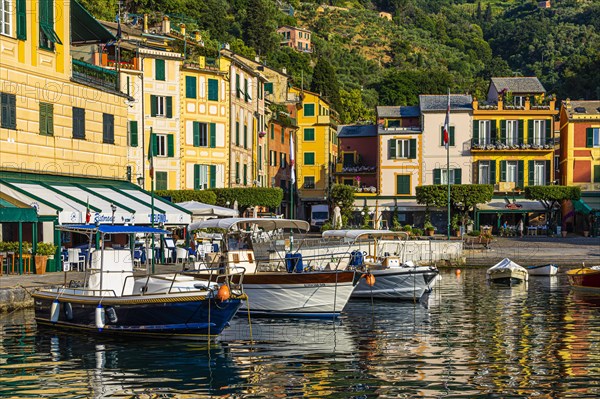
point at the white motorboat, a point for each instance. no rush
(281, 286)
(549, 269)
(507, 272)
(394, 279)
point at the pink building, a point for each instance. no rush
(297, 38)
(357, 156)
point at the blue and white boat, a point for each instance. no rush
(112, 300)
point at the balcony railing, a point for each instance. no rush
(498, 145)
(94, 75)
(355, 169)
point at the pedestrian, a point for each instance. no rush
(520, 228)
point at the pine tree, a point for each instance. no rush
(324, 81)
(259, 27)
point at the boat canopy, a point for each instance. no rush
(110, 229)
(505, 264)
(356, 234)
(266, 224)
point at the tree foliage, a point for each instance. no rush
(204, 196)
(343, 196)
(463, 197)
(249, 196)
(324, 81)
(551, 195)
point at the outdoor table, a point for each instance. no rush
(532, 230)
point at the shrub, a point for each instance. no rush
(428, 226)
(249, 196)
(407, 227)
(417, 231)
(204, 196)
(45, 249)
(474, 233)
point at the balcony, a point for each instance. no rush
(94, 75)
(355, 169)
(498, 145)
(204, 63)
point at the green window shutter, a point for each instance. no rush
(196, 177)
(272, 131)
(259, 157)
(213, 90)
(162, 181)
(309, 158)
(520, 137)
(133, 133)
(237, 85)
(153, 144)
(282, 135)
(190, 87)
(531, 172)
(50, 119)
(520, 173)
(213, 135)
(309, 109)
(128, 84)
(392, 149)
(502, 171)
(245, 175)
(108, 128)
(169, 107)
(589, 137)
(503, 131)
(237, 134)
(493, 172)
(451, 138)
(196, 134)
(442, 136)
(309, 134)
(529, 131)
(153, 105)
(412, 154)
(402, 184)
(475, 169)
(596, 173)
(548, 170)
(493, 130)
(269, 87)
(548, 130)
(245, 136)
(246, 94)
(170, 145)
(43, 127)
(437, 176)
(475, 132)
(159, 73)
(237, 171)
(22, 19)
(213, 176)
(458, 176)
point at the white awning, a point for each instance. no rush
(201, 211)
(520, 205)
(266, 224)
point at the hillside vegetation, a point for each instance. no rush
(428, 46)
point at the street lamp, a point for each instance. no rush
(140, 181)
(227, 204)
(113, 208)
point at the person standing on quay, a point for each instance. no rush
(520, 228)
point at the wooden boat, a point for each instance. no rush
(281, 286)
(112, 300)
(549, 269)
(507, 272)
(585, 278)
(394, 279)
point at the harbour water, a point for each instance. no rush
(467, 340)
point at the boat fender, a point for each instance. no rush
(100, 317)
(369, 279)
(54, 311)
(111, 314)
(224, 293)
(68, 311)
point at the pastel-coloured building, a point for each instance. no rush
(297, 38)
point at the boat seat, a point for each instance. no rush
(116, 274)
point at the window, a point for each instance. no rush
(272, 131)
(237, 133)
(163, 145)
(539, 173)
(348, 182)
(348, 158)
(78, 123)
(450, 136)
(512, 132)
(440, 176)
(592, 138)
(539, 132)
(283, 161)
(161, 179)
(191, 86)
(519, 101)
(21, 20)
(309, 134)
(159, 69)
(8, 110)
(133, 133)
(237, 173)
(200, 177)
(161, 106)
(402, 149)
(200, 134)
(487, 172)
(46, 119)
(309, 109)
(484, 136)
(237, 85)
(48, 37)
(6, 17)
(309, 158)
(108, 128)
(269, 88)
(245, 136)
(282, 135)
(213, 90)
(511, 171)
(309, 182)
(273, 158)
(596, 173)
(402, 184)
(245, 175)
(259, 157)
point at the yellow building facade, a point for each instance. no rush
(205, 123)
(316, 147)
(513, 146)
(60, 114)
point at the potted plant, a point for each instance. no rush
(43, 251)
(455, 223)
(429, 228)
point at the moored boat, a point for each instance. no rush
(585, 278)
(393, 278)
(507, 272)
(113, 301)
(549, 269)
(279, 286)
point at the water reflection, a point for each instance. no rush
(468, 340)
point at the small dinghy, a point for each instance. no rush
(549, 269)
(507, 272)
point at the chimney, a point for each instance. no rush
(182, 27)
(145, 23)
(166, 25)
(257, 59)
(284, 70)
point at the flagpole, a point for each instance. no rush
(448, 159)
(151, 156)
